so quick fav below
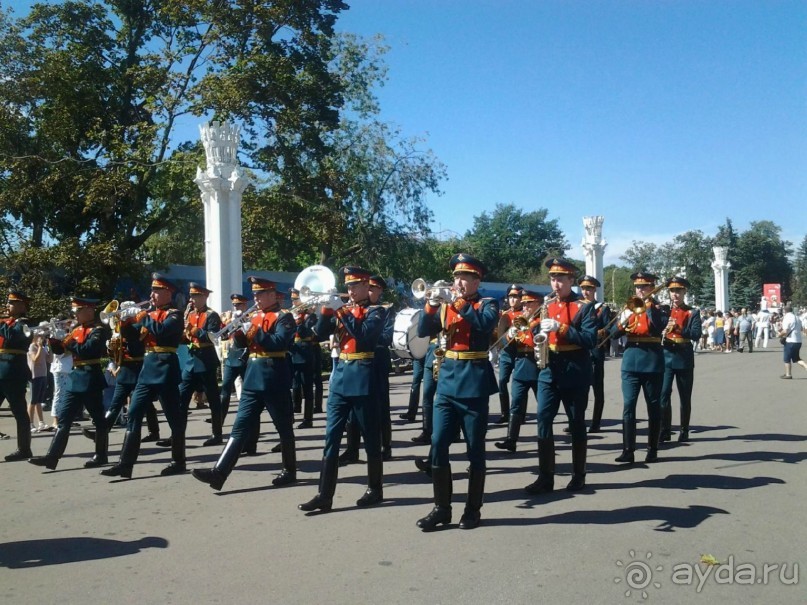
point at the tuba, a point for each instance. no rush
(313, 283)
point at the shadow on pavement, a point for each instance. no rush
(669, 518)
(56, 551)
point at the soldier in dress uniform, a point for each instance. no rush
(161, 329)
(383, 363)
(358, 327)
(127, 350)
(570, 328)
(525, 371)
(464, 386)
(87, 344)
(202, 363)
(15, 338)
(508, 353)
(588, 286)
(302, 358)
(269, 334)
(235, 364)
(683, 327)
(642, 366)
(383, 367)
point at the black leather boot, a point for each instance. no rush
(215, 420)
(308, 412)
(289, 473)
(596, 415)
(100, 458)
(423, 438)
(578, 482)
(654, 431)
(128, 456)
(250, 445)
(56, 449)
(414, 402)
(216, 477)
(375, 482)
(628, 442)
(666, 424)
(476, 492)
(327, 486)
(109, 422)
(153, 424)
(386, 440)
(504, 403)
(443, 487)
(545, 483)
(513, 431)
(23, 451)
(351, 453)
(686, 413)
(297, 398)
(177, 465)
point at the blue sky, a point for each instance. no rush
(663, 116)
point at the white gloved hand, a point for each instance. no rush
(126, 304)
(625, 316)
(59, 334)
(512, 333)
(128, 313)
(550, 325)
(237, 313)
(334, 302)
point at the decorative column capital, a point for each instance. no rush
(593, 239)
(720, 263)
(221, 141)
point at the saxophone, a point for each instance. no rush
(541, 340)
(439, 355)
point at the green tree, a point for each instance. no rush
(800, 274)
(513, 243)
(91, 97)
(762, 257)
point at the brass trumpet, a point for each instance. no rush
(113, 310)
(440, 289)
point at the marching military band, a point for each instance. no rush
(553, 346)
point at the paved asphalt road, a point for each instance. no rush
(636, 534)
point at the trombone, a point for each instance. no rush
(522, 324)
(235, 324)
(636, 305)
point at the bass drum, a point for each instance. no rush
(405, 340)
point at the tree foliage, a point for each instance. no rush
(90, 101)
(800, 274)
(513, 243)
(757, 256)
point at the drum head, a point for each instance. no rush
(405, 341)
(417, 345)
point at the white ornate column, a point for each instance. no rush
(721, 268)
(594, 247)
(222, 185)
